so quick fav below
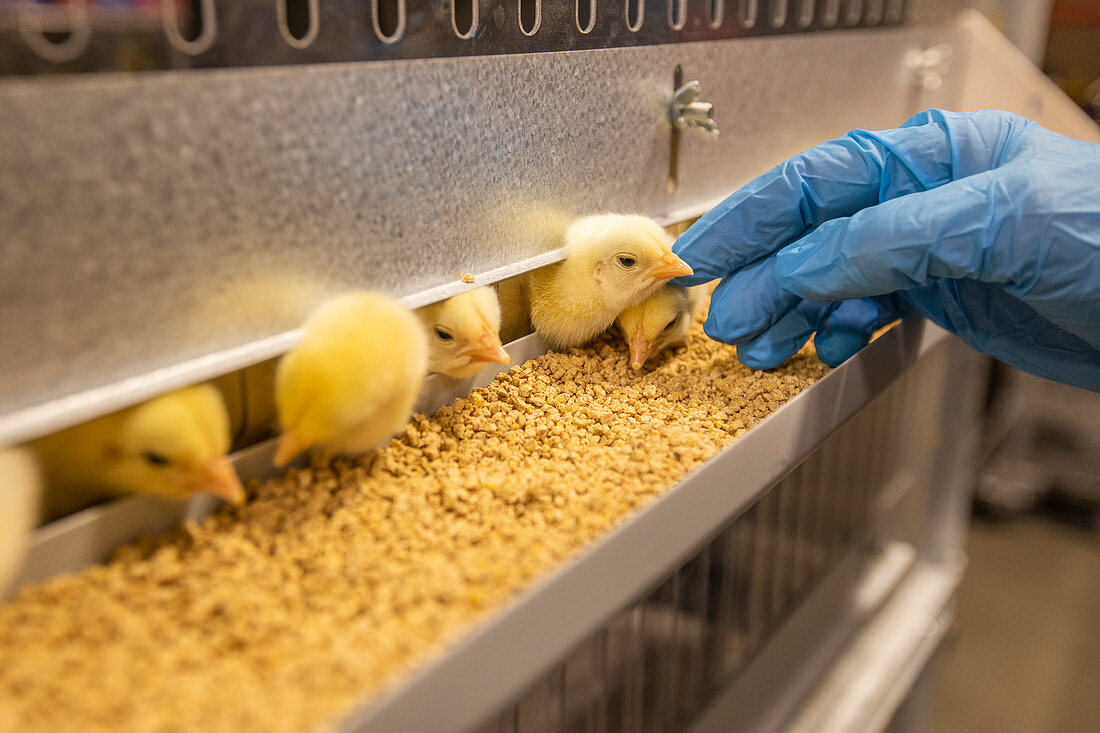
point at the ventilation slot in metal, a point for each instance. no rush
(530, 16)
(779, 13)
(299, 21)
(635, 15)
(55, 46)
(677, 14)
(388, 19)
(586, 15)
(874, 12)
(716, 13)
(464, 18)
(194, 32)
(805, 13)
(749, 10)
(855, 12)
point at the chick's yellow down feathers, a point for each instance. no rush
(659, 322)
(352, 380)
(613, 261)
(464, 333)
(173, 446)
(20, 486)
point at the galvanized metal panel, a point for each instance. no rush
(159, 229)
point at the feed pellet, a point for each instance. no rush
(333, 581)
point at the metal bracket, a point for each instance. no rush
(688, 113)
(929, 66)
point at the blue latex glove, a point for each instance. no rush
(984, 222)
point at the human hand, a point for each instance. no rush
(983, 222)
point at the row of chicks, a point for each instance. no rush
(352, 380)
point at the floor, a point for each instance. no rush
(1025, 654)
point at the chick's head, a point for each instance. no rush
(658, 322)
(627, 256)
(463, 333)
(352, 379)
(175, 446)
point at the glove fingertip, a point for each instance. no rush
(690, 281)
(759, 361)
(729, 325)
(836, 348)
(767, 351)
(714, 331)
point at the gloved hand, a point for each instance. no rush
(983, 222)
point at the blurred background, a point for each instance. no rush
(1062, 37)
(1025, 654)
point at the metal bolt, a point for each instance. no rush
(688, 113)
(928, 626)
(929, 66)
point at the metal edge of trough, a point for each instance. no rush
(500, 657)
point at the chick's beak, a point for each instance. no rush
(668, 267)
(640, 349)
(489, 350)
(290, 445)
(220, 479)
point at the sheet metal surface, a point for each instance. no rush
(159, 229)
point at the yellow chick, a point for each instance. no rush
(351, 381)
(171, 447)
(612, 262)
(464, 333)
(20, 486)
(660, 321)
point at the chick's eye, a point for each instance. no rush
(672, 324)
(443, 334)
(155, 459)
(626, 261)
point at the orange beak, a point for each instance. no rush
(640, 349)
(220, 479)
(489, 350)
(290, 446)
(668, 267)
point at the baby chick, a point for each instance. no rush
(351, 381)
(660, 321)
(612, 262)
(172, 447)
(463, 333)
(19, 492)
